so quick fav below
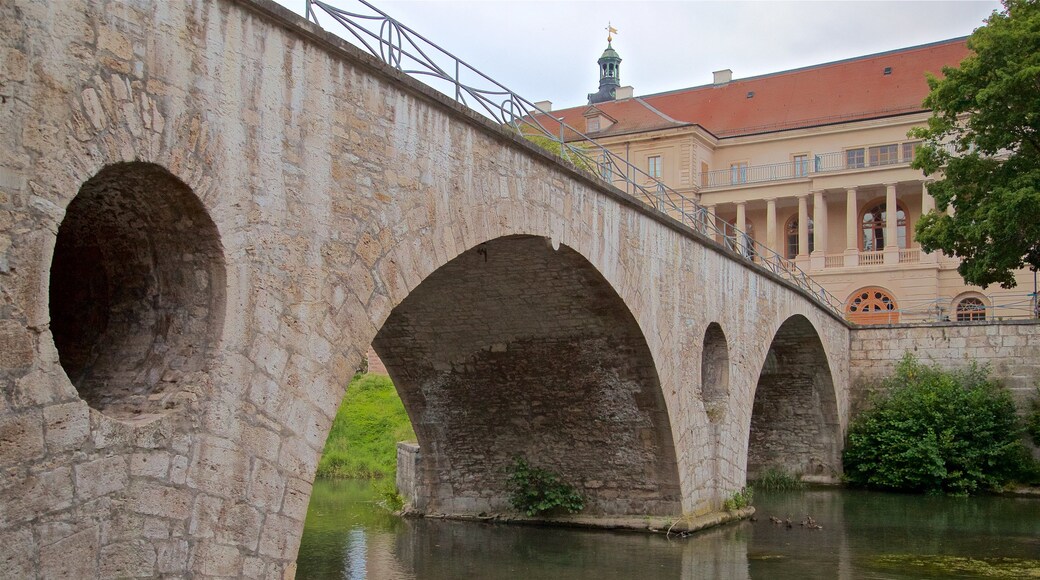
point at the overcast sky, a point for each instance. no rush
(548, 50)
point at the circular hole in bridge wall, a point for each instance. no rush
(136, 290)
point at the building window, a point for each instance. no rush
(909, 150)
(801, 165)
(873, 223)
(738, 172)
(854, 158)
(872, 306)
(653, 166)
(741, 242)
(970, 309)
(884, 154)
(791, 237)
(592, 124)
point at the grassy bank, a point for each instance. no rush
(369, 423)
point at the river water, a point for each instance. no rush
(865, 536)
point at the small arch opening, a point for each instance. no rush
(715, 372)
(136, 290)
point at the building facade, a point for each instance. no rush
(810, 163)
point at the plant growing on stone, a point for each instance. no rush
(390, 498)
(935, 431)
(536, 491)
(740, 499)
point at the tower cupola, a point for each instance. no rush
(609, 72)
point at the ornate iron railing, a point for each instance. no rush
(413, 54)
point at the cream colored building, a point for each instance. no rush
(810, 163)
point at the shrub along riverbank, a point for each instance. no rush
(936, 431)
(363, 441)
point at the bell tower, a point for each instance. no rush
(609, 72)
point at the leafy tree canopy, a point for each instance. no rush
(984, 138)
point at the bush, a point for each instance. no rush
(740, 499)
(1033, 419)
(389, 498)
(934, 431)
(535, 491)
(363, 440)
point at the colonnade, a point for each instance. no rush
(822, 254)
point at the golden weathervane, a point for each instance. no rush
(611, 31)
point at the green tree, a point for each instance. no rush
(984, 138)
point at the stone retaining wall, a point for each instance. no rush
(1011, 348)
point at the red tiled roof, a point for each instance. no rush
(633, 115)
(818, 95)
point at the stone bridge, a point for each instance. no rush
(209, 210)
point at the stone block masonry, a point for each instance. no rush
(1010, 348)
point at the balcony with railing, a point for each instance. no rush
(805, 167)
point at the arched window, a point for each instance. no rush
(970, 308)
(872, 306)
(791, 237)
(873, 223)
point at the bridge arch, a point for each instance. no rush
(795, 421)
(514, 349)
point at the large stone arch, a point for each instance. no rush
(518, 349)
(795, 421)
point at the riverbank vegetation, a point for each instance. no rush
(363, 440)
(777, 479)
(1033, 418)
(935, 431)
(740, 499)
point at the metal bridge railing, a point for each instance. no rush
(413, 54)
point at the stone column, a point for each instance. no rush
(771, 225)
(803, 227)
(819, 254)
(852, 228)
(891, 225)
(741, 224)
